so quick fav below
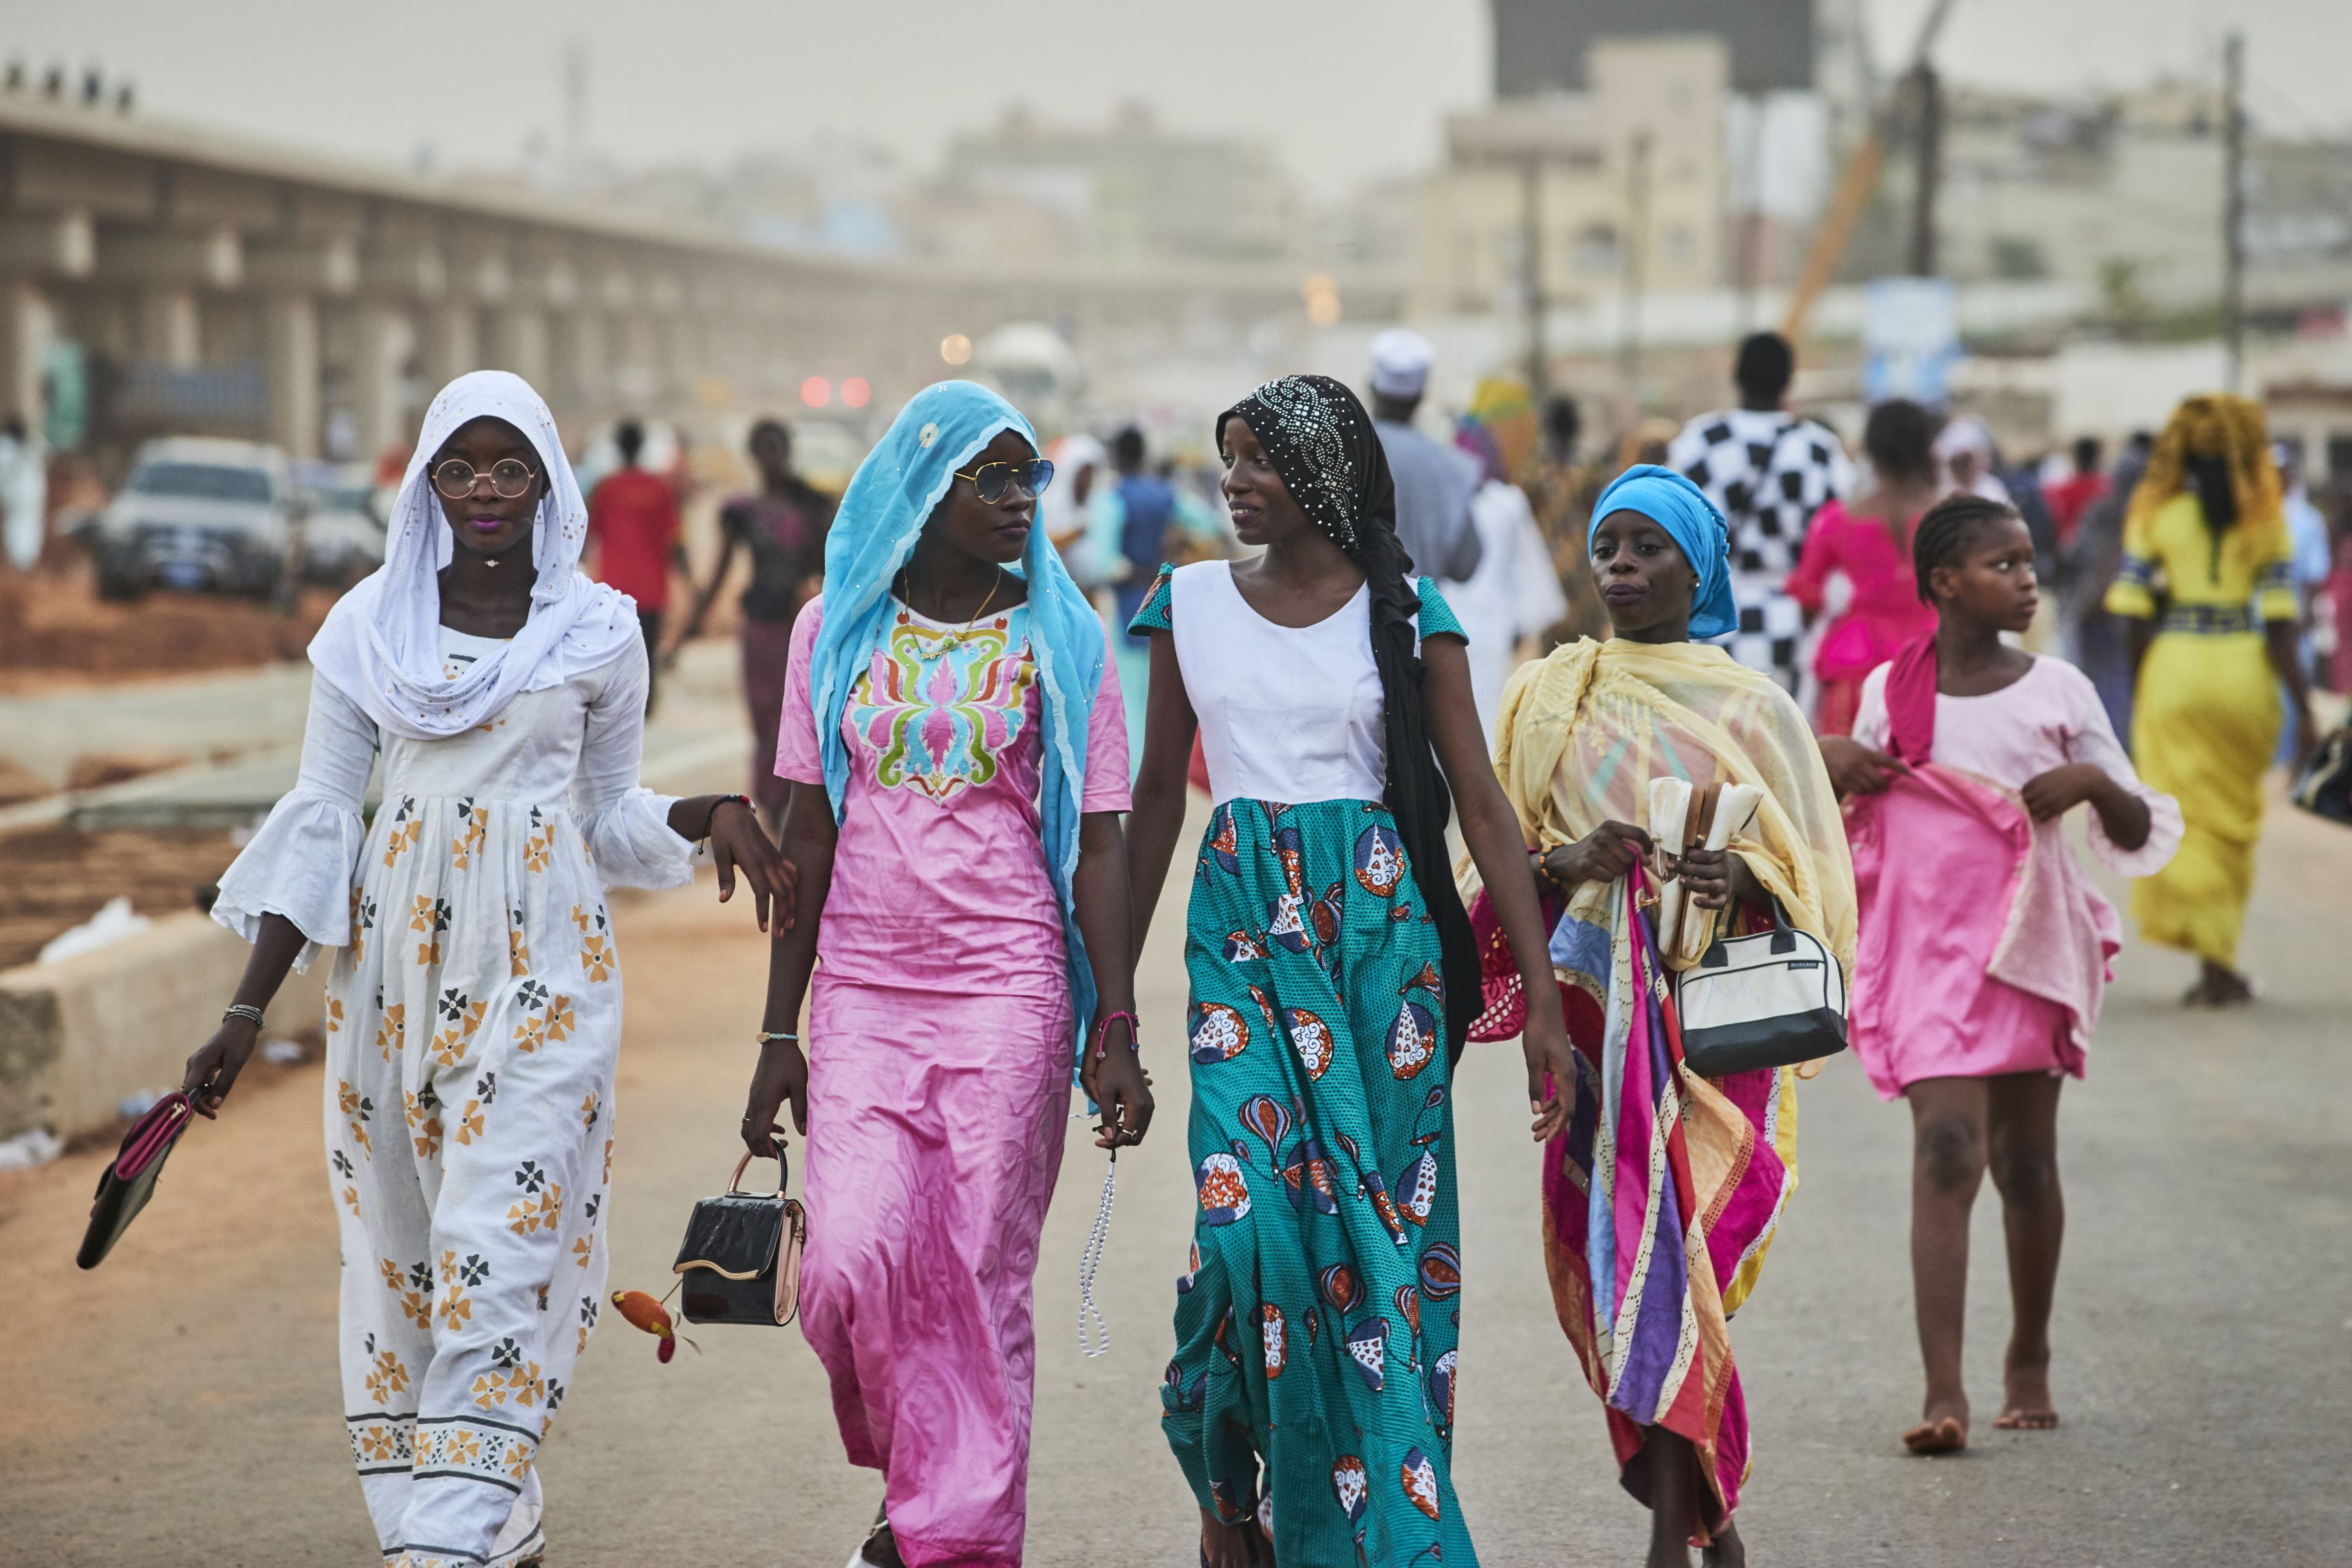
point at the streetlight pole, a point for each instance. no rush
(1531, 258)
(2233, 205)
(1927, 104)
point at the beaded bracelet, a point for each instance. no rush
(712, 820)
(1134, 1034)
(244, 1010)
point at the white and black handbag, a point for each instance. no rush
(1771, 999)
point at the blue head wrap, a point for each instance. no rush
(1682, 509)
(893, 494)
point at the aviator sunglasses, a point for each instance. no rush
(992, 479)
(509, 478)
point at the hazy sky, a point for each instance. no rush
(1345, 89)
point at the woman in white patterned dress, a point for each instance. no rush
(474, 1006)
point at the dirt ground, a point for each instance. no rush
(58, 877)
(55, 631)
(179, 1404)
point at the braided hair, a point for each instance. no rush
(1322, 442)
(1947, 529)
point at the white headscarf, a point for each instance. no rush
(381, 644)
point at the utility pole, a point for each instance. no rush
(1531, 258)
(1750, 218)
(1927, 105)
(575, 111)
(2233, 204)
(1637, 232)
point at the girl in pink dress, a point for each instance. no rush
(1869, 543)
(1983, 948)
(956, 754)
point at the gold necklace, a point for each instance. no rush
(956, 638)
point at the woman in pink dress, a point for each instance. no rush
(1869, 543)
(1983, 948)
(956, 754)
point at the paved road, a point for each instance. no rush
(179, 1404)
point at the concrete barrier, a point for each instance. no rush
(78, 1035)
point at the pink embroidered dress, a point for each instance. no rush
(940, 1044)
(1984, 945)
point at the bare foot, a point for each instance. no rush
(881, 1547)
(1234, 1545)
(1726, 1551)
(2026, 1405)
(2218, 986)
(1943, 1427)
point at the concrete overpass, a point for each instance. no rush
(210, 283)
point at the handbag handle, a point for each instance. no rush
(783, 1169)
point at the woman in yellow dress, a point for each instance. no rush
(2205, 583)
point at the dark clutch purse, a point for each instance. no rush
(2325, 788)
(129, 1180)
(740, 1261)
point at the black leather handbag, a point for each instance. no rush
(740, 1261)
(2325, 789)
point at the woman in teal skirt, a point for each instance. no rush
(1333, 979)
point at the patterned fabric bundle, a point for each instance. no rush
(1661, 1198)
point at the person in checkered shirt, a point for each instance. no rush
(1769, 471)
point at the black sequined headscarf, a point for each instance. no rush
(1322, 442)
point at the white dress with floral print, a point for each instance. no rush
(473, 1023)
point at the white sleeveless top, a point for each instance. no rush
(1290, 714)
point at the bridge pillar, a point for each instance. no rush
(26, 325)
(452, 342)
(385, 337)
(519, 343)
(290, 343)
(170, 328)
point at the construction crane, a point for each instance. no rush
(1861, 177)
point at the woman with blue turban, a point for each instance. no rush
(1650, 1254)
(956, 753)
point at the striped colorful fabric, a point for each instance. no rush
(1665, 1189)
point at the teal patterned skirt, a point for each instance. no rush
(1313, 1381)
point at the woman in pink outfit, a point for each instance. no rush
(1983, 948)
(1869, 544)
(956, 754)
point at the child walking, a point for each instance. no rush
(1983, 948)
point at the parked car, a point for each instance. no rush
(335, 507)
(196, 513)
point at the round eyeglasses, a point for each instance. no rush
(510, 477)
(990, 480)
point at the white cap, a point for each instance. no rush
(1401, 360)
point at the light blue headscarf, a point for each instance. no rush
(893, 494)
(1670, 500)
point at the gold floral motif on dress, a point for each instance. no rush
(388, 1030)
(595, 943)
(473, 825)
(424, 1124)
(357, 1109)
(406, 829)
(538, 846)
(430, 916)
(386, 1377)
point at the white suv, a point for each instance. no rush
(196, 513)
